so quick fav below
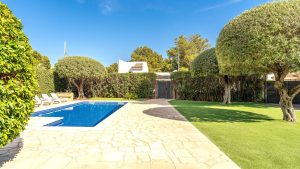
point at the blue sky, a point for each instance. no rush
(108, 30)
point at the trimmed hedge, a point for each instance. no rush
(130, 85)
(17, 77)
(45, 80)
(210, 88)
(135, 85)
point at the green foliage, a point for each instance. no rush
(41, 60)
(263, 39)
(130, 96)
(78, 70)
(206, 63)
(113, 68)
(167, 65)
(187, 48)
(210, 88)
(153, 59)
(44, 74)
(17, 72)
(140, 85)
(45, 80)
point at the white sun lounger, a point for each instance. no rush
(39, 102)
(55, 97)
(48, 98)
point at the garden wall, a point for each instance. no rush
(210, 88)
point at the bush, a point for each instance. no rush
(17, 72)
(130, 96)
(210, 88)
(140, 85)
(79, 70)
(206, 63)
(45, 80)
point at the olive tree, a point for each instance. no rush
(78, 70)
(17, 77)
(206, 64)
(265, 39)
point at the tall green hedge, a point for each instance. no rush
(45, 80)
(17, 77)
(136, 85)
(210, 88)
(140, 85)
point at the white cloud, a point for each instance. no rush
(108, 6)
(220, 5)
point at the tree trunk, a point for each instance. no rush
(287, 108)
(286, 102)
(227, 90)
(79, 88)
(286, 97)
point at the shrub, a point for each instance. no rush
(206, 63)
(45, 80)
(130, 96)
(140, 85)
(78, 70)
(17, 72)
(210, 88)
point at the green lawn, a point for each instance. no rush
(253, 135)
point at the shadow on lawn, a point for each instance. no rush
(205, 114)
(10, 151)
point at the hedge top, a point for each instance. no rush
(260, 39)
(79, 67)
(206, 63)
(17, 77)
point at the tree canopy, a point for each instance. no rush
(41, 60)
(78, 70)
(113, 68)
(17, 72)
(153, 59)
(187, 48)
(206, 63)
(262, 40)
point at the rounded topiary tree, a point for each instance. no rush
(206, 63)
(17, 83)
(78, 70)
(265, 39)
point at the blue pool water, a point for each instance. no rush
(84, 114)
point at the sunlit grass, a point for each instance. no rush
(251, 134)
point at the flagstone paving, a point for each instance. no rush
(147, 135)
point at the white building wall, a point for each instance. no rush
(126, 67)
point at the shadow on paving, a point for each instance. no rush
(205, 114)
(10, 151)
(164, 112)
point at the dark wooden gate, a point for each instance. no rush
(164, 89)
(272, 95)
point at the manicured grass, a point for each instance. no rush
(253, 135)
(114, 99)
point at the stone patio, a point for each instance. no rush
(148, 134)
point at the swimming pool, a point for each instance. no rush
(83, 114)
